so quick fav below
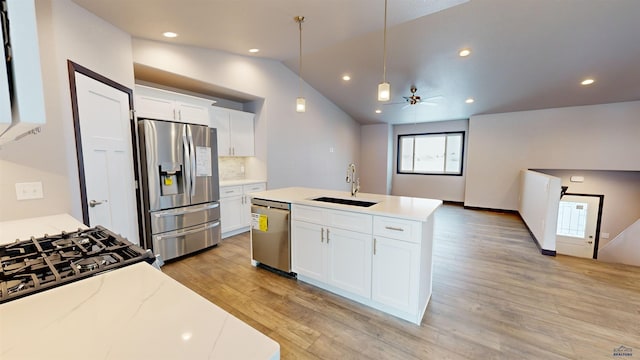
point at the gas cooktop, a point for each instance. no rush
(38, 264)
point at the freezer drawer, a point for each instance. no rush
(184, 241)
(174, 219)
(273, 246)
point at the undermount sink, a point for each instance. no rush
(352, 202)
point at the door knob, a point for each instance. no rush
(589, 242)
(93, 203)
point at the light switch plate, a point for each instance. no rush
(29, 191)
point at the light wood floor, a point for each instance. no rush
(494, 297)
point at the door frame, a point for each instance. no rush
(74, 68)
(598, 221)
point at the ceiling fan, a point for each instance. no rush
(417, 99)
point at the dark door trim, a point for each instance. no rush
(598, 221)
(76, 68)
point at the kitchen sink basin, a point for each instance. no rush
(352, 202)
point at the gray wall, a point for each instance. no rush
(443, 187)
(597, 137)
(66, 31)
(376, 158)
(296, 149)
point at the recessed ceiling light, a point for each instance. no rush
(254, 50)
(378, 111)
(587, 82)
(469, 101)
(170, 34)
(464, 52)
(346, 77)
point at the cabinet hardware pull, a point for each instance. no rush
(374, 246)
(393, 228)
(327, 236)
(322, 235)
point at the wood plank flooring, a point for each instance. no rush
(494, 297)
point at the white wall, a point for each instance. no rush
(621, 190)
(538, 206)
(597, 137)
(376, 158)
(625, 248)
(443, 187)
(298, 146)
(66, 31)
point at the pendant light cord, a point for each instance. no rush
(300, 19)
(384, 46)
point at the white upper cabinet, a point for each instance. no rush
(166, 105)
(22, 108)
(235, 131)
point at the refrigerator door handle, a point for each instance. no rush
(187, 159)
(186, 232)
(192, 157)
(192, 209)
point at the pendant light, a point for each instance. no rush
(301, 104)
(384, 89)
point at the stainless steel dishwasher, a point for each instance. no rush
(270, 234)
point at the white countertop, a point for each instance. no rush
(240, 182)
(135, 312)
(405, 207)
(24, 229)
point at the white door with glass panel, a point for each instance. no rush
(577, 222)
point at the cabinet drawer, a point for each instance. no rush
(399, 229)
(307, 213)
(349, 221)
(230, 191)
(254, 187)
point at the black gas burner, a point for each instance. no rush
(39, 264)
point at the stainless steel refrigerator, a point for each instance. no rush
(181, 193)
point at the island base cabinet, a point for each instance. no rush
(339, 258)
(395, 271)
(308, 250)
(349, 261)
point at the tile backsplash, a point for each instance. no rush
(231, 168)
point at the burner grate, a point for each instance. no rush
(38, 264)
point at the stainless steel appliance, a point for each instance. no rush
(180, 187)
(38, 264)
(270, 233)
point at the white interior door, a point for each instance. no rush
(107, 156)
(577, 223)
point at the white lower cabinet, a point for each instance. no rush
(235, 207)
(380, 261)
(338, 257)
(395, 273)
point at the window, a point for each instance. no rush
(434, 153)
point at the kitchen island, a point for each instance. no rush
(132, 312)
(374, 249)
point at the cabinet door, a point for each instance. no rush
(349, 255)
(220, 121)
(308, 250)
(242, 133)
(154, 108)
(192, 113)
(396, 268)
(231, 213)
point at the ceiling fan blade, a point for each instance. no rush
(437, 97)
(395, 103)
(428, 103)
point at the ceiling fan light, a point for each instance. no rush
(384, 91)
(301, 105)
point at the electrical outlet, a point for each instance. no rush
(29, 191)
(604, 235)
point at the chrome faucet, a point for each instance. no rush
(351, 178)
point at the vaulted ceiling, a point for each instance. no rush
(525, 54)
